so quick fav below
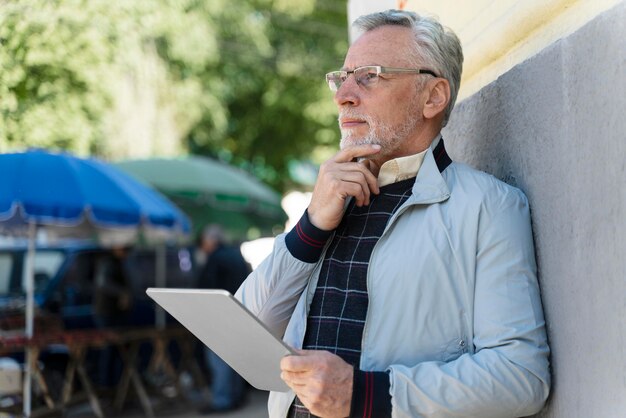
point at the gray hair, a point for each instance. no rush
(436, 46)
(213, 232)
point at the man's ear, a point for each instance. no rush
(438, 91)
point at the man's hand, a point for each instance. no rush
(340, 178)
(322, 381)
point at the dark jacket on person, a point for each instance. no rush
(225, 268)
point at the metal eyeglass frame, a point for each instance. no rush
(336, 78)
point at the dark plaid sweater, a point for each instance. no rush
(339, 307)
(337, 314)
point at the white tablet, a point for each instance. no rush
(229, 329)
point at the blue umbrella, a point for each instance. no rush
(70, 196)
(58, 190)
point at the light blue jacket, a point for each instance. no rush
(454, 311)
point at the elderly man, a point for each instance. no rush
(410, 281)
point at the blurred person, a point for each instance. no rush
(410, 280)
(224, 268)
(112, 295)
(112, 302)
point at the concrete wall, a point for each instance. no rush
(555, 126)
(498, 34)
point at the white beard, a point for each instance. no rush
(389, 137)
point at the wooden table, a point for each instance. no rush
(128, 343)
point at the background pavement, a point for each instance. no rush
(254, 407)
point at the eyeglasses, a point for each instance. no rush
(368, 75)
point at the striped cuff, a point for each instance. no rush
(370, 395)
(306, 241)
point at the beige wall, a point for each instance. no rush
(543, 110)
(497, 34)
(554, 126)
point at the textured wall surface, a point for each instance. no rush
(498, 34)
(555, 126)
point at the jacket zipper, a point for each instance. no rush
(392, 220)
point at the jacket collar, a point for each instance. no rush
(429, 186)
(441, 156)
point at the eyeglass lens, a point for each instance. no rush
(364, 76)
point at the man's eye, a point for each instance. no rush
(368, 78)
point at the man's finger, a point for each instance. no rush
(294, 364)
(362, 168)
(306, 360)
(295, 378)
(352, 179)
(371, 176)
(371, 166)
(357, 151)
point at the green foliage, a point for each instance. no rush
(275, 92)
(52, 61)
(241, 80)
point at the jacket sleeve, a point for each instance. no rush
(506, 372)
(272, 290)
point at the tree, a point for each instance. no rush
(51, 61)
(240, 80)
(278, 104)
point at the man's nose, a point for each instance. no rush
(348, 93)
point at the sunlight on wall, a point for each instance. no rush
(497, 34)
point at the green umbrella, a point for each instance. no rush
(209, 191)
